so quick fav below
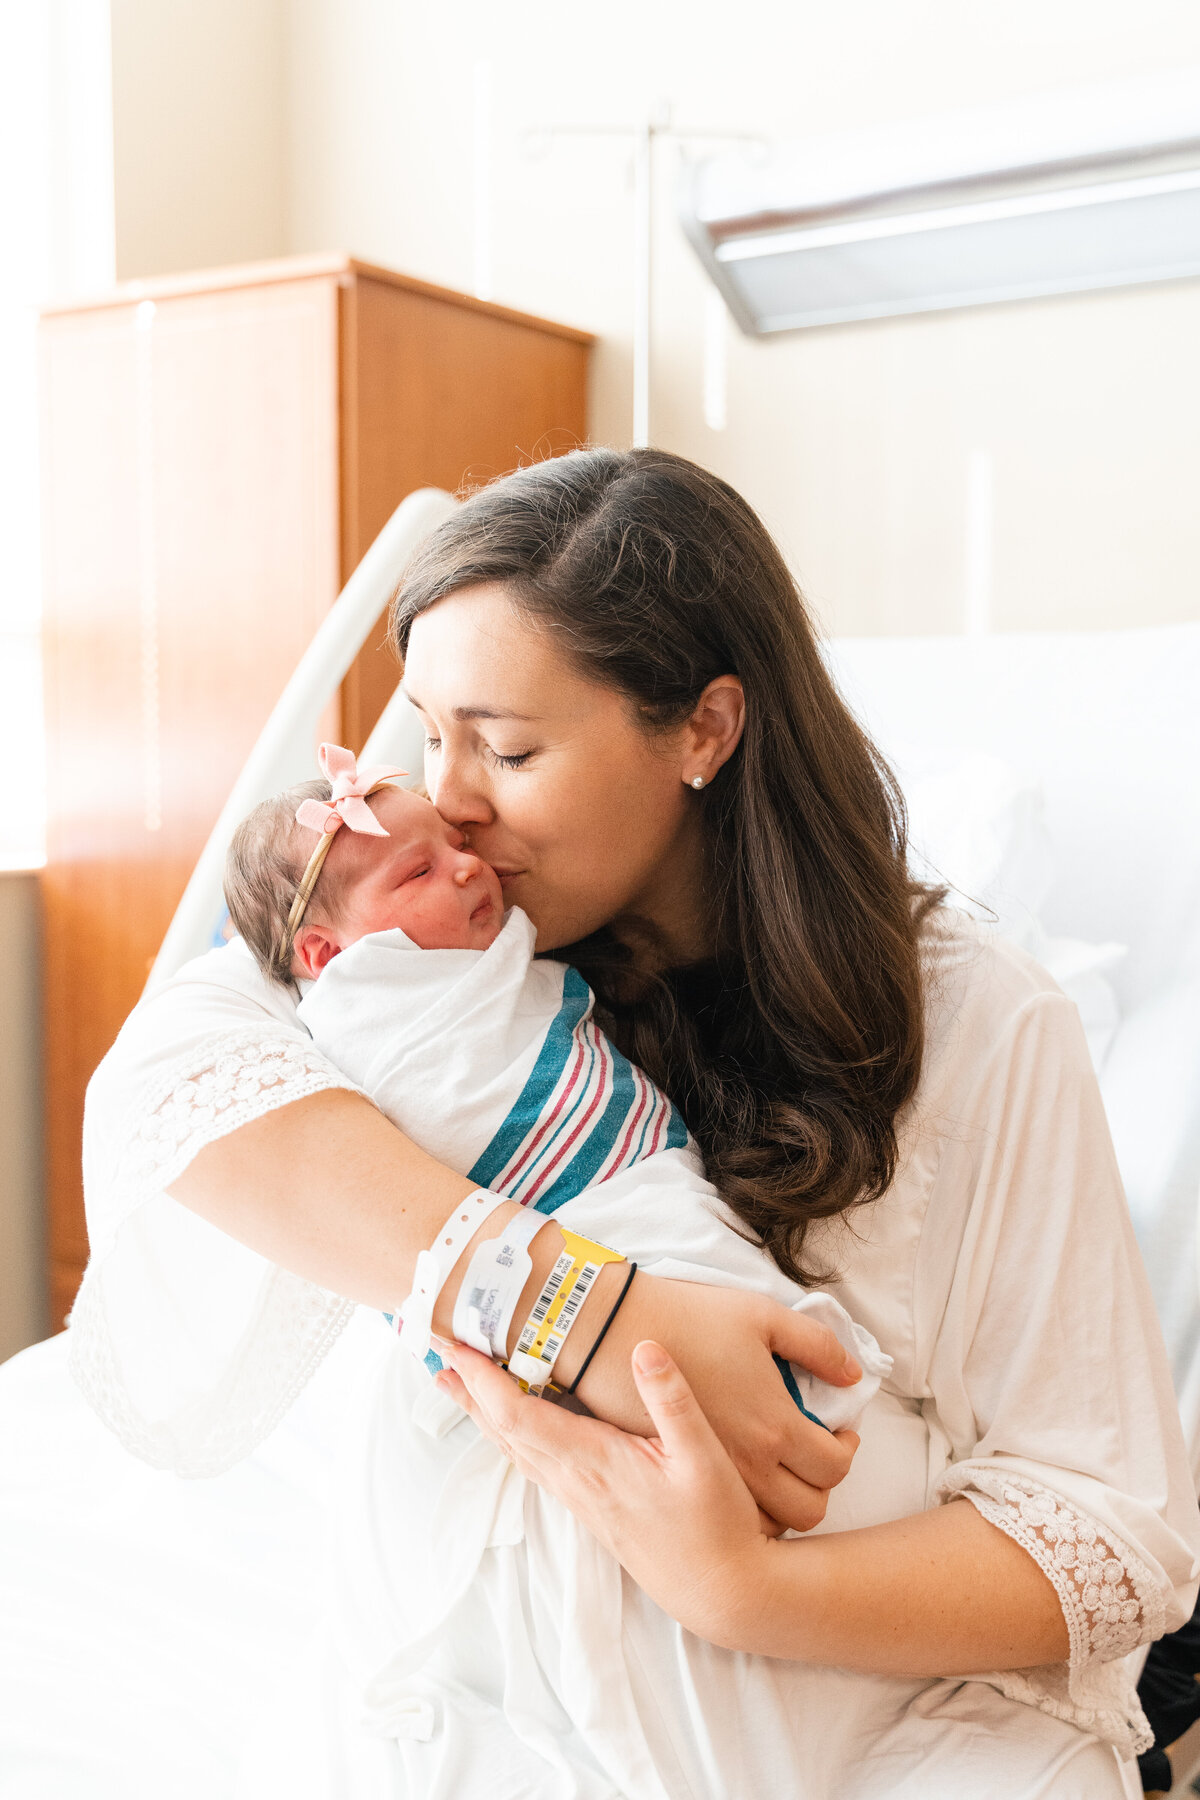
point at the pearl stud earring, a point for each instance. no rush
(697, 781)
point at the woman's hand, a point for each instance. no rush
(943, 1592)
(671, 1508)
(724, 1341)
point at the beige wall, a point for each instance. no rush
(23, 1316)
(198, 133)
(854, 442)
(247, 128)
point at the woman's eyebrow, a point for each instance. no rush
(461, 714)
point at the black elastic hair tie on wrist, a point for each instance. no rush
(600, 1338)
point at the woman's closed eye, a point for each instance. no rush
(516, 760)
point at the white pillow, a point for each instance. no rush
(979, 826)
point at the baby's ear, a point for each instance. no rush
(313, 949)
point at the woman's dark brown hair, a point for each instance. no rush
(792, 1052)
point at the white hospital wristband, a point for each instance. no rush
(494, 1282)
(434, 1266)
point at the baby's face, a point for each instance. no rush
(419, 878)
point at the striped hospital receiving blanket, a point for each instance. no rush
(492, 1061)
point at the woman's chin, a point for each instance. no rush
(556, 925)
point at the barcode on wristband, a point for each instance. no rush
(545, 1299)
(576, 1297)
(566, 1317)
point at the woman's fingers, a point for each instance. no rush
(801, 1339)
(792, 1501)
(520, 1423)
(820, 1458)
(690, 1441)
(674, 1410)
(453, 1384)
(497, 1404)
(801, 1500)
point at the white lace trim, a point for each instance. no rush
(294, 1326)
(1110, 1600)
(220, 1085)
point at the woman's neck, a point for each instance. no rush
(670, 923)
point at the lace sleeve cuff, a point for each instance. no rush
(1109, 1597)
(190, 1346)
(219, 1086)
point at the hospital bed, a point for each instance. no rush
(1052, 780)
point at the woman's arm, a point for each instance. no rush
(942, 1593)
(328, 1188)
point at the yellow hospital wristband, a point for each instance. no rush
(558, 1306)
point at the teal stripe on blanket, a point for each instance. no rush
(600, 1141)
(789, 1382)
(543, 1078)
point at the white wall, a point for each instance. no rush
(853, 442)
(198, 133)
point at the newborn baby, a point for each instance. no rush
(399, 866)
(418, 986)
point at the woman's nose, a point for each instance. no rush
(457, 797)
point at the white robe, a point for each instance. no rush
(999, 1270)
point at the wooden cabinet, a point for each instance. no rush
(218, 452)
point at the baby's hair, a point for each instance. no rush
(267, 857)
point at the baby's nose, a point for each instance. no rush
(465, 870)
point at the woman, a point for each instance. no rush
(627, 714)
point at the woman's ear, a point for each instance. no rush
(714, 730)
(314, 946)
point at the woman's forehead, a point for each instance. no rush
(476, 655)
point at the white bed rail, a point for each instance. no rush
(285, 749)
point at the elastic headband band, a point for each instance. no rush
(308, 882)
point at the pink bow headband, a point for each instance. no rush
(346, 805)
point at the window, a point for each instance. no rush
(56, 203)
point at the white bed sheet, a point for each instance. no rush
(146, 1620)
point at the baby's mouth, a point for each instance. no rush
(483, 910)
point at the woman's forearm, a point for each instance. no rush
(328, 1188)
(941, 1593)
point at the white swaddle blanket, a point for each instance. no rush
(491, 1061)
